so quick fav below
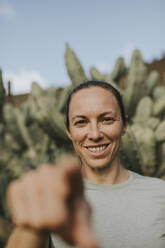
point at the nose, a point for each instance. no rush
(94, 132)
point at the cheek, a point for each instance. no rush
(113, 131)
(78, 134)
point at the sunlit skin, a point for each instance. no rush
(95, 120)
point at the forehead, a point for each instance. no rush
(93, 100)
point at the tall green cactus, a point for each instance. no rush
(135, 87)
(95, 74)
(151, 82)
(119, 69)
(74, 68)
(144, 111)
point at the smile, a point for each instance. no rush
(97, 149)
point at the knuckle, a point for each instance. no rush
(20, 219)
(38, 223)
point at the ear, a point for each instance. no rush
(67, 131)
(69, 134)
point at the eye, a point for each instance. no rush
(80, 122)
(108, 119)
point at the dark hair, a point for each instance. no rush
(94, 83)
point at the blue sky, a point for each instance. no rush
(33, 35)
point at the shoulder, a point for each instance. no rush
(150, 183)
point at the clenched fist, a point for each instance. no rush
(51, 199)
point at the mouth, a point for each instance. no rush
(97, 149)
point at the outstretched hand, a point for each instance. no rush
(51, 199)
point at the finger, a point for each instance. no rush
(83, 235)
(70, 168)
(68, 162)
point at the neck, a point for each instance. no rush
(113, 174)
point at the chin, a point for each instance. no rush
(98, 165)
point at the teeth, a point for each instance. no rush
(97, 149)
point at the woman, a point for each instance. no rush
(121, 200)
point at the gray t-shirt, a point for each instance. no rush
(127, 215)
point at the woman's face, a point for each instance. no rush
(96, 126)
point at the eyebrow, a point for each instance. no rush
(78, 116)
(101, 115)
(105, 113)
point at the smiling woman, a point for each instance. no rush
(96, 123)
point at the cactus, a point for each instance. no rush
(114, 76)
(16, 124)
(161, 168)
(135, 87)
(159, 106)
(151, 82)
(160, 132)
(96, 74)
(62, 102)
(119, 69)
(158, 92)
(143, 111)
(147, 144)
(152, 122)
(74, 68)
(130, 155)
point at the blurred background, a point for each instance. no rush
(49, 47)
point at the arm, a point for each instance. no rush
(25, 238)
(50, 200)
